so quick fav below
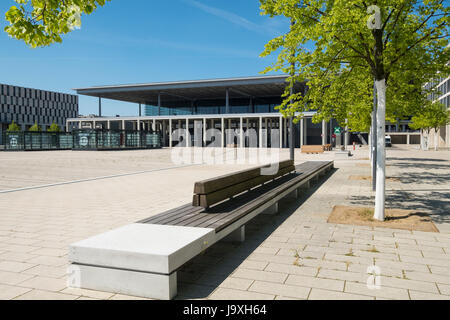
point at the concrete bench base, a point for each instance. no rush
(137, 259)
(134, 283)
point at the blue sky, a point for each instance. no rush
(138, 41)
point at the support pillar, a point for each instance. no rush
(241, 133)
(164, 133)
(302, 132)
(99, 106)
(324, 132)
(305, 134)
(170, 133)
(188, 138)
(273, 209)
(204, 132)
(408, 139)
(237, 235)
(281, 132)
(222, 127)
(260, 132)
(159, 104)
(293, 194)
(227, 101)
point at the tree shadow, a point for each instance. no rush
(199, 277)
(415, 159)
(424, 177)
(435, 203)
(428, 166)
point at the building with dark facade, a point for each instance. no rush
(27, 106)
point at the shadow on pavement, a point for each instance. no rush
(202, 275)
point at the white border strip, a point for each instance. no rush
(93, 179)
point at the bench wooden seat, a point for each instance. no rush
(222, 215)
(312, 149)
(143, 258)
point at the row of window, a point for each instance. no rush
(15, 91)
(203, 110)
(31, 119)
(4, 109)
(37, 103)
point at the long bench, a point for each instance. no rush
(142, 259)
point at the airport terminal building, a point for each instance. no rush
(240, 104)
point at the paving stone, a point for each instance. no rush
(14, 266)
(343, 275)
(13, 278)
(312, 282)
(45, 283)
(45, 295)
(10, 292)
(418, 295)
(444, 289)
(429, 277)
(320, 294)
(260, 275)
(291, 269)
(383, 292)
(84, 293)
(237, 283)
(280, 289)
(231, 294)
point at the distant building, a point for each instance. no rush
(442, 96)
(27, 106)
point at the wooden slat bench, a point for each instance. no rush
(312, 149)
(143, 258)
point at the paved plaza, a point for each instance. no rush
(294, 255)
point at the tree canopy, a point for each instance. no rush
(35, 128)
(432, 116)
(330, 46)
(42, 22)
(54, 128)
(13, 127)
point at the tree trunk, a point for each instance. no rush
(436, 139)
(381, 153)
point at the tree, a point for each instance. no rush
(42, 22)
(13, 127)
(399, 45)
(35, 128)
(432, 116)
(54, 128)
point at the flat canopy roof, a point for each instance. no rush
(262, 87)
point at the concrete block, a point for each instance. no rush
(134, 283)
(143, 247)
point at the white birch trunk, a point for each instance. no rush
(381, 154)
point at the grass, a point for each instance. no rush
(350, 254)
(373, 249)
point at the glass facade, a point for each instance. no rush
(207, 108)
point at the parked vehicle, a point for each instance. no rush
(388, 141)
